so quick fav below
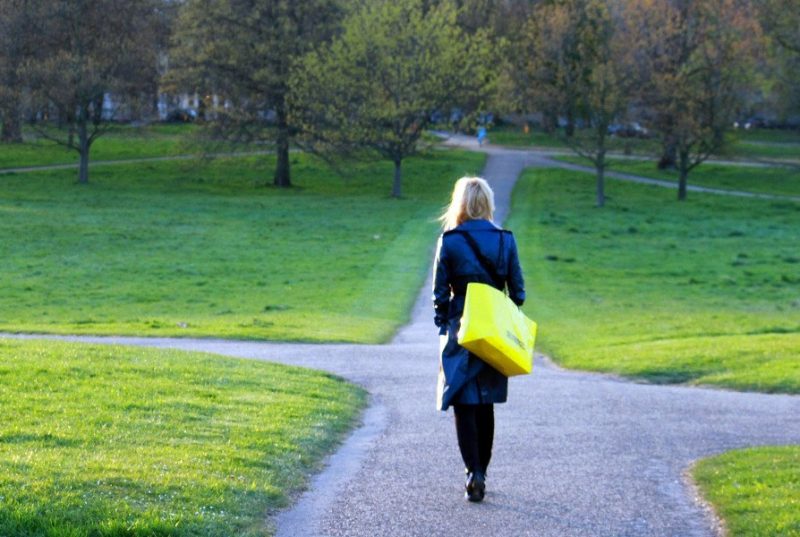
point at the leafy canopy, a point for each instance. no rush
(396, 65)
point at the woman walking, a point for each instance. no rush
(471, 249)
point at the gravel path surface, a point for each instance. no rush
(576, 454)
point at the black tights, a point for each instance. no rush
(475, 431)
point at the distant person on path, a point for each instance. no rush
(481, 135)
(467, 383)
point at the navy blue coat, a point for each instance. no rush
(463, 377)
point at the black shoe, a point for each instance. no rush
(476, 487)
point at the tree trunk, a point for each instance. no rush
(549, 121)
(398, 176)
(12, 130)
(668, 158)
(601, 187)
(569, 129)
(600, 165)
(12, 127)
(83, 149)
(683, 167)
(282, 169)
(719, 137)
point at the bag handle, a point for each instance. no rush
(485, 262)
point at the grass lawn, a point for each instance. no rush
(763, 144)
(704, 292)
(112, 441)
(123, 142)
(760, 144)
(512, 135)
(773, 136)
(765, 151)
(201, 249)
(756, 491)
(775, 180)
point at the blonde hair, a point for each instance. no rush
(472, 198)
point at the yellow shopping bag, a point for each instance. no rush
(496, 330)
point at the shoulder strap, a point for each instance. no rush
(485, 262)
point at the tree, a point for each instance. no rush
(577, 62)
(502, 17)
(90, 51)
(781, 21)
(698, 57)
(15, 39)
(547, 67)
(244, 52)
(603, 87)
(377, 86)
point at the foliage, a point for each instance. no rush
(148, 249)
(578, 63)
(243, 52)
(89, 50)
(109, 440)
(781, 21)
(85, 51)
(379, 84)
(703, 292)
(756, 490)
(501, 18)
(696, 58)
(544, 68)
(15, 26)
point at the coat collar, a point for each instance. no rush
(476, 225)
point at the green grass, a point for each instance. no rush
(778, 144)
(118, 441)
(773, 136)
(704, 292)
(763, 151)
(780, 181)
(121, 143)
(512, 135)
(202, 249)
(760, 144)
(756, 491)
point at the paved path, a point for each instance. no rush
(576, 454)
(544, 157)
